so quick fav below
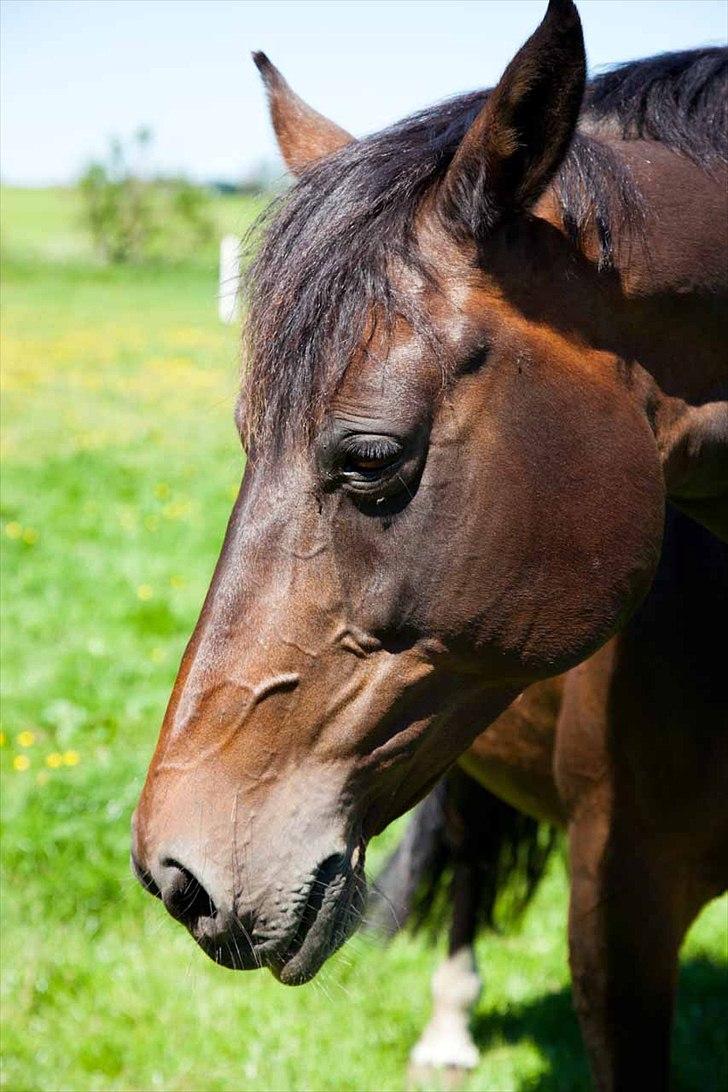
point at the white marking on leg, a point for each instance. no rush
(446, 1041)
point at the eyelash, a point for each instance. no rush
(373, 450)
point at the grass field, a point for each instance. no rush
(120, 465)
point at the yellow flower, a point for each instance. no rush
(161, 490)
(41, 777)
(54, 760)
(177, 509)
(145, 592)
(13, 529)
(71, 758)
(157, 655)
(2, 739)
(26, 738)
(20, 763)
(30, 536)
(176, 581)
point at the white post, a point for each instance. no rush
(228, 297)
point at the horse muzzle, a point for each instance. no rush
(292, 930)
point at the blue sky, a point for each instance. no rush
(74, 72)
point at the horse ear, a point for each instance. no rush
(522, 133)
(304, 135)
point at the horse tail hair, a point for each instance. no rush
(460, 824)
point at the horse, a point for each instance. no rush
(654, 852)
(483, 352)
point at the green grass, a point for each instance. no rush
(46, 226)
(120, 463)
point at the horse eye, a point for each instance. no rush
(367, 465)
(369, 460)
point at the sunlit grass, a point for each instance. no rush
(120, 465)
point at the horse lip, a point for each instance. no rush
(307, 949)
(305, 961)
(322, 936)
(320, 928)
(234, 951)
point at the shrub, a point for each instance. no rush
(132, 217)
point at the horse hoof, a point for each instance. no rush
(445, 1048)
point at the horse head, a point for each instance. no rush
(451, 492)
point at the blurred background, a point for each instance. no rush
(134, 138)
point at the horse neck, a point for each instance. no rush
(671, 308)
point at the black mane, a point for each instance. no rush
(330, 243)
(678, 99)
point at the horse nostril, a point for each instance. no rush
(216, 928)
(145, 878)
(184, 896)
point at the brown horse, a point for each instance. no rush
(629, 753)
(484, 348)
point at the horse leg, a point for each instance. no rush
(446, 1042)
(626, 922)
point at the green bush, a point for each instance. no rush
(132, 218)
